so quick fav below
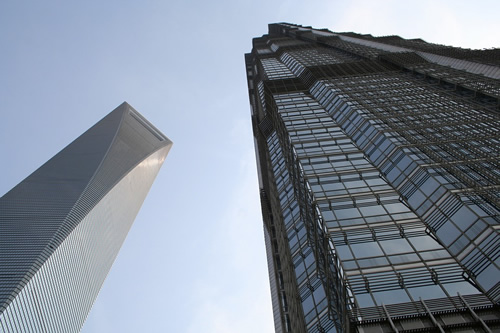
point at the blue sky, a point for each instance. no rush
(194, 261)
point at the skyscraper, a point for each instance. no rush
(379, 175)
(62, 227)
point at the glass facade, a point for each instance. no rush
(63, 226)
(379, 173)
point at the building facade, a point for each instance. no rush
(62, 227)
(379, 174)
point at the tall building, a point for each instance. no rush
(62, 227)
(379, 174)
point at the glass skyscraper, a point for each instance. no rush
(379, 174)
(62, 227)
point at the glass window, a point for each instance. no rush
(356, 184)
(464, 288)
(423, 243)
(364, 300)
(464, 218)
(350, 222)
(333, 186)
(476, 229)
(349, 264)
(343, 252)
(416, 199)
(327, 215)
(308, 304)
(373, 262)
(396, 208)
(309, 259)
(430, 255)
(319, 294)
(429, 186)
(372, 211)
(426, 292)
(299, 269)
(489, 277)
(391, 297)
(331, 224)
(448, 233)
(459, 245)
(478, 210)
(404, 258)
(292, 241)
(364, 250)
(375, 181)
(396, 246)
(404, 162)
(347, 213)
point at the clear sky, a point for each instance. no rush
(194, 261)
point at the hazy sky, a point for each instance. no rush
(194, 261)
